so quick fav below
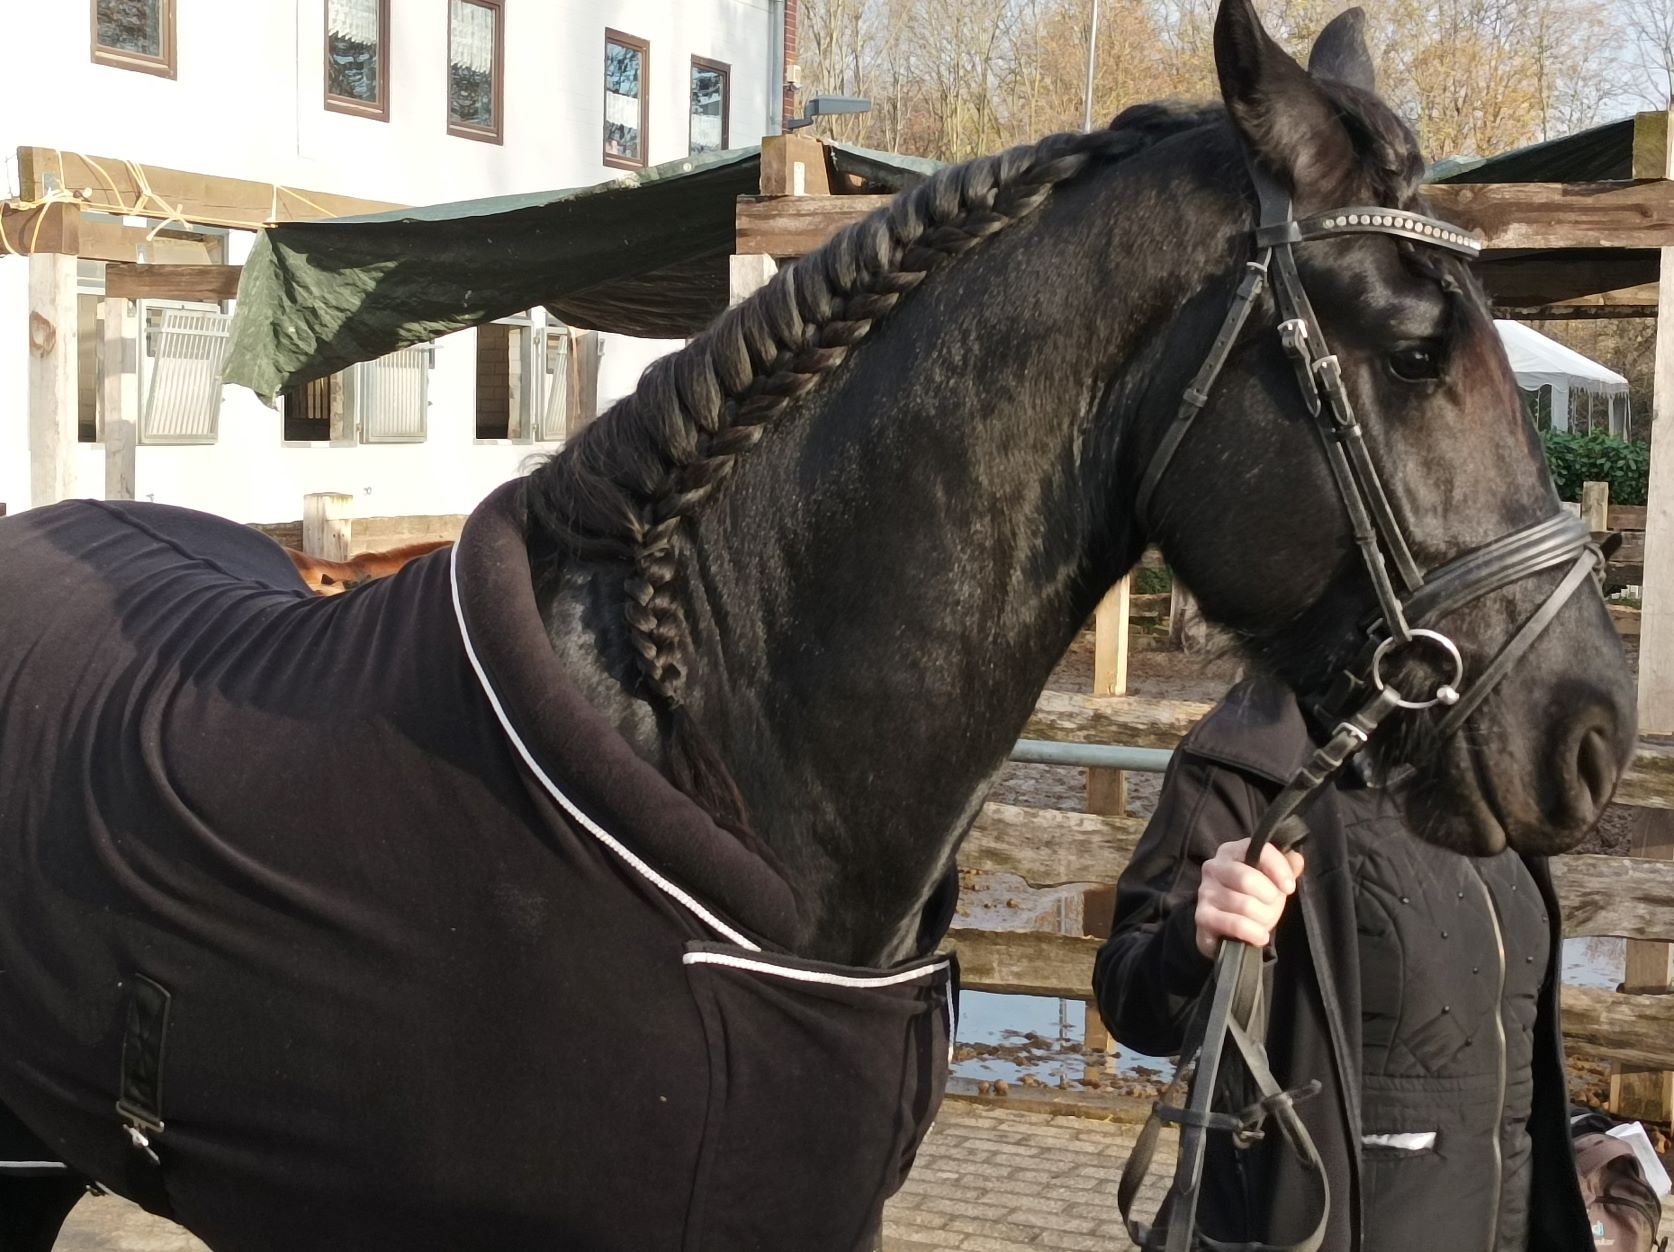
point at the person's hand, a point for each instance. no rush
(1239, 901)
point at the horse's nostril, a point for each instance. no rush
(1595, 770)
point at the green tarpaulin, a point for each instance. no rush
(644, 255)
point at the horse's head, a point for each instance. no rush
(1252, 509)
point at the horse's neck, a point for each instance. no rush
(883, 589)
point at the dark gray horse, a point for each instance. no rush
(577, 890)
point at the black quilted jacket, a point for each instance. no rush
(1413, 1051)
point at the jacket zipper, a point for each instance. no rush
(1499, 1037)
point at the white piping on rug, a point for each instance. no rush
(811, 975)
(652, 876)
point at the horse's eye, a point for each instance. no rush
(1416, 363)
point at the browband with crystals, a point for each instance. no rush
(1361, 220)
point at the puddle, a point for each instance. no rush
(1595, 962)
(1034, 1039)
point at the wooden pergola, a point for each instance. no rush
(64, 214)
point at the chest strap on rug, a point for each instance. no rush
(1230, 1012)
(140, 1091)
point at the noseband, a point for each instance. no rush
(1410, 605)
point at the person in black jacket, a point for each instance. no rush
(1418, 985)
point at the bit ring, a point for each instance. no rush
(1447, 692)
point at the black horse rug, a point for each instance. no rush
(348, 923)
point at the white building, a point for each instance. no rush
(393, 102)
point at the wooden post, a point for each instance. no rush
(749, 272)
(793, 165)
(326, 525)
(121, 431)
(1107, 789)
(53, 361)
(1595, 506)
(1639, 1093)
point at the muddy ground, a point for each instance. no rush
(1034, 1056)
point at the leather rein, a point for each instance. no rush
(1409, 604)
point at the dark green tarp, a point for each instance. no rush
(1597, 154)
(645, 254)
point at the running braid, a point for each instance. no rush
(621, 492)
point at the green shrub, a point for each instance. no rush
(1152, 582)
(1577, 459)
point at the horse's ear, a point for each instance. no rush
(1340, 52)
(1281, 112)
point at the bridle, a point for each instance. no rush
(1410, 603)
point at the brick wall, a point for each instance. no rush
(790, 59)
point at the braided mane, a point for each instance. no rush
(620, 494)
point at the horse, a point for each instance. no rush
(613, 922)
(333, 578)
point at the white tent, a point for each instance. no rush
(1541, 362)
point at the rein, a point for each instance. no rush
(1231, 1011)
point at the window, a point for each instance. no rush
(711, 98)
(357, 57)
(627, 76)
(532, 377)
(392, 395)
(313, 411)
(475, 68)
(135, 35)
(184, 349)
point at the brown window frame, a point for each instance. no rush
(378, 112)
(164, 66)
(465, 130)
(725, 71)
(643, 47)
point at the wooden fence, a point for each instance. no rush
(1623, 897)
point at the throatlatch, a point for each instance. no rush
(1407, 599)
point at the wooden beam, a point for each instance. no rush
(53, 364)
(173, 282)
(1515, 216)
(51, 227)
(1142, 722)
(1636, 301)
(788, 226)
(1561, 215)
(113, 185)
(112, 241)
(1537, 279)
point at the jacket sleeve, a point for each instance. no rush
(1149, 972)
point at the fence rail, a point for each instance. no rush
(1617, 896)
(1136, 721)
